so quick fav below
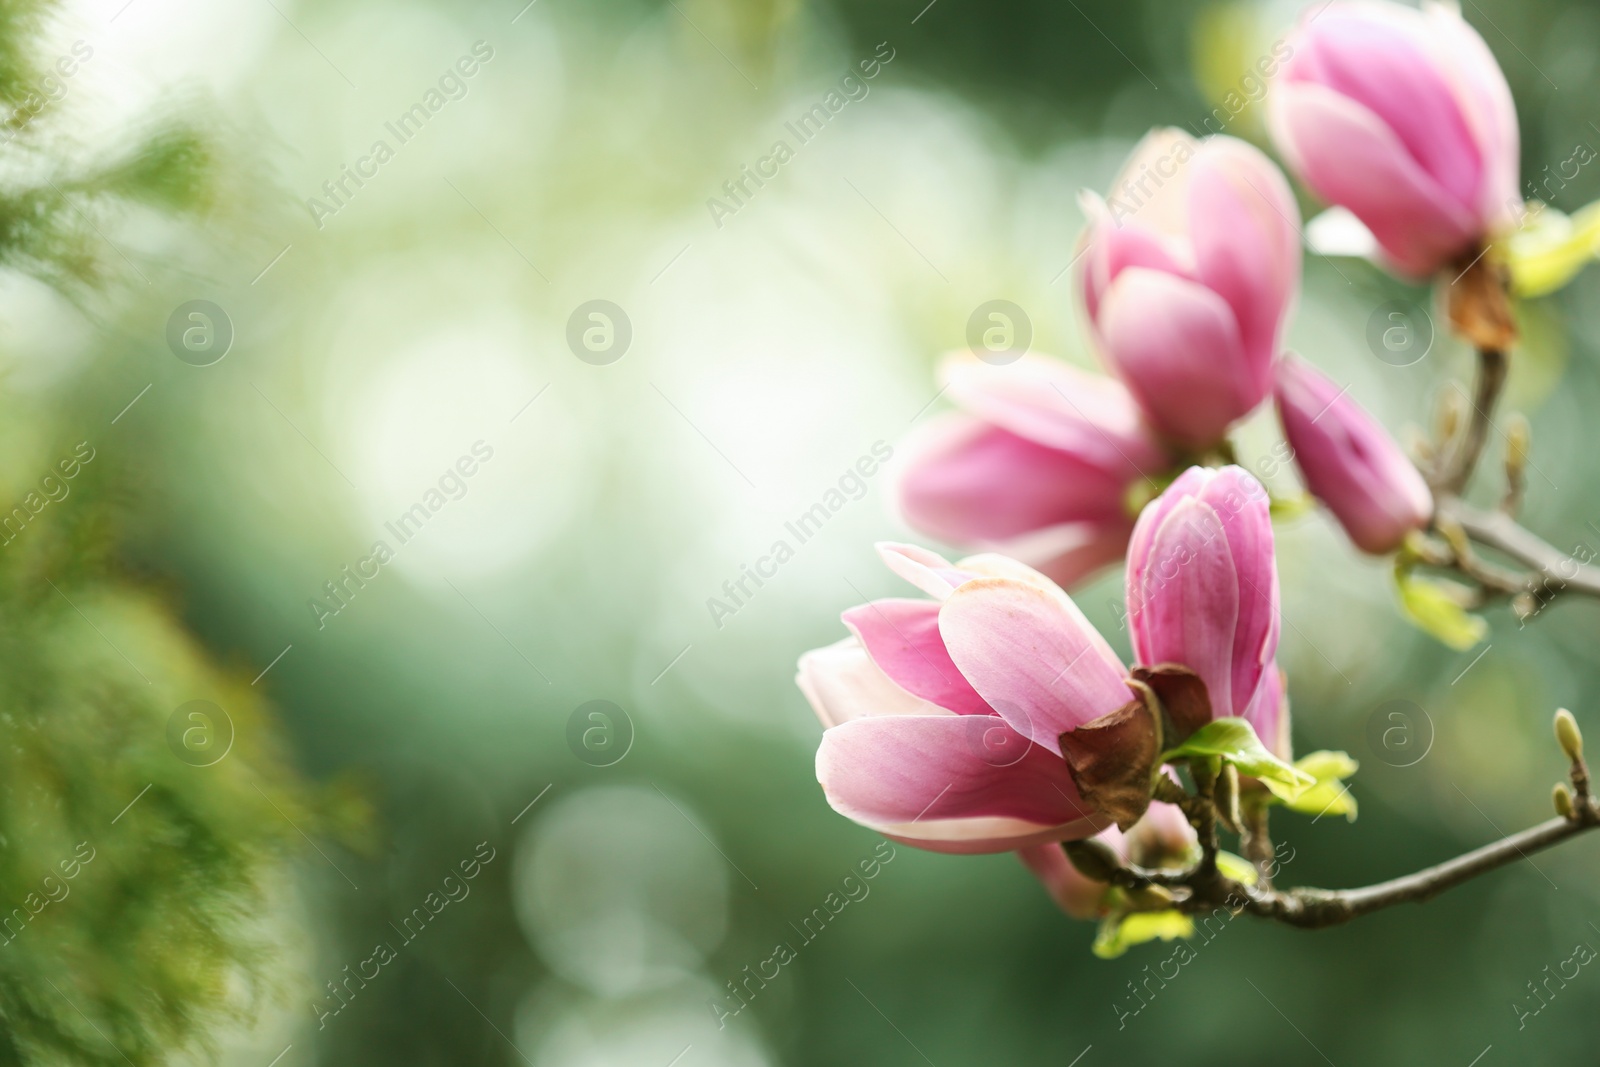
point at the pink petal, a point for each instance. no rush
(928, 571)
(1246, 232)
(1269, 713)
(902, 637)
(1177, 346)
(1072, 552)
(1111, 249)
(1348, 157)
(968, 482)
(951, 784)
(1244, 509)
(1349, 461)
(1033, 656)
(1246, 513)
(1186, 610)
(1480, 88)
(842, 683)
(1048, 402)
(1379, 58)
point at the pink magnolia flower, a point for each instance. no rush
(1403, 118)
(1203, 586)
(1162, 838)
(1349, 461)
(1190, 268)
(993, 716)
(1037, 464)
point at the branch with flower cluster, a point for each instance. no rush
(993, 717)
(1203, 886)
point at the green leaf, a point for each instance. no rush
(1235, 741)
(1119, 933)
(1238, 868)
(1432, 608)
(1329, 796)
(1551, 248)
(1285, 508)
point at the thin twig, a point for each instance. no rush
(1311, 908)
(1502, 533)
(1464, 459)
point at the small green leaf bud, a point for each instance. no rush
(1563, 800)
(1568, 734)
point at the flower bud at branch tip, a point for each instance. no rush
(1562, 797)
(1568, 735)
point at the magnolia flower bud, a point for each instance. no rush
(1568, 735)
(1403, 118)
(1203, 586)
(1562, 797)
(1349, 461)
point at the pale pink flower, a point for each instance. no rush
(993, 716)
(1404, 118)
(1037, 464)
(1190, 267)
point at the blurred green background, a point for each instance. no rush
(436, 718)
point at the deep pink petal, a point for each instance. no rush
(951, 784)
(1349, 461)
(1033, 656)
(1184, 486)
(968, 482)
(1379, 58)
(1348, 157)
(1246, 513)
(1177, 346)
(1186, 610)
(902, 637)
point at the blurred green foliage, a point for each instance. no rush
(767, 354)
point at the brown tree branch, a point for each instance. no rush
(1464, 460)
(1202, 887)
(1504, 534)
(1311, 908)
